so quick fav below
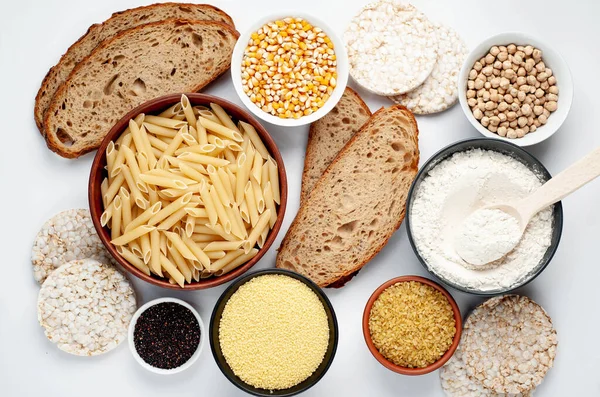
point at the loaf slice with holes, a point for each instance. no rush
(138, 64)
(328, 135)
(358, 203)
(118, 22)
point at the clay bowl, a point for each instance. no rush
(390, 365)
(155, 106)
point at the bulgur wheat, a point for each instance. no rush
(412, 324)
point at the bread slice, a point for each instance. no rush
(328, 135)
(138, 64)
(118, 22)
(358, 203)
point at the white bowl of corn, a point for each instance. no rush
(289, 68)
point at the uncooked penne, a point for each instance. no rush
(111, 156)
(262, 223)
(172, 111)
(134, 169)
(221, 232)
(202, 159)
(274, 179)
(201, 131)
(197, 212)
(132, 234)
(222, 116)
(221, 213)
(144, 216)
(186, 106)
(115, 227)
(223, 245)
(155, 252)
(251, 203)
(220, 129)
(172, 270)
(145, 246)
(162, 181)
(176, 142)
(255, 139)
(179, 261)
(208, 204)
(218, 185)
(258, 195)
(170, 209)
(178, 243)
(134, 260)
(230, 256)
(126, 208)
(198, 253)
(241, 178)
(257, 167)
(240, 260)
(174, 218)
(190, 224)
(161, 131)
(113, 189)
(164, 122)
(270, 203)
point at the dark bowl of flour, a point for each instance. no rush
(466, 176)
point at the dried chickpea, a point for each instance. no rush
(289, 68)
(511, 91)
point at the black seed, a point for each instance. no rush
(166, 335)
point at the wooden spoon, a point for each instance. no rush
(555, 189)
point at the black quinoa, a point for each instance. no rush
(166, 335)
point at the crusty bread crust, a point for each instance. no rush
(312, 144)
(52, 140)
(333, 278)
(39, 108)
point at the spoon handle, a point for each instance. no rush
(562, 185)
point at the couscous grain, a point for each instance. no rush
(412, 324)
(274, 332)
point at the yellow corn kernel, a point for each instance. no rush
(283, 33)
(280, 23)
(307, 112)
(275, 105)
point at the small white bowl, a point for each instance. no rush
(551, 58)
(342, 69)
(162, 371)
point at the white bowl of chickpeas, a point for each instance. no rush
(514, 87)
(289, 68)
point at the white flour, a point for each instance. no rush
(486, 235)
(454, 189)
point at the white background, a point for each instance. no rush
(35, 184)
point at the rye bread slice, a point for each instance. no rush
(328, 135)
(358, 203)
(135, 66)
(118, 22)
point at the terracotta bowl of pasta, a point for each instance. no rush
(187, 191)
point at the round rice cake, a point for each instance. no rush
(440, 91)
(67, 236)
(391, 47)
(509, 344)
(456, 383)
(85, 307)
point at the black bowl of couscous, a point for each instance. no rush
(273, 333)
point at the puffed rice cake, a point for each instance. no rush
(456, 382)
(440, 91)
(85, 307)
(67, 236)
(391, 47)
(509, 344)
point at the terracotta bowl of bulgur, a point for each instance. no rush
(412, 307)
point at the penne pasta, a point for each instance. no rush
(229, 156)
(258, 196)
(115, 227)
(178, 243)
(164, 122)
(208, 204)
(221, 213)
(134, 169)
(263, 222)
(215, 254)
(218, 185)
(138, 198)
(125, 208)
(263, 237)
(192, 173)
(120, 159)
(244, 212)
(134, 260)
(111, 156)
(144, 216)
(202, 159)
(237, 223)
(222, 116)
(159, 130)
(202, 136)
(208, 114)
(196, 212)
(145, 246)
(176, 258)
(113, 189)
(241, 178)
(172, 270)
(190, 224)
(170, 209)
(270, 204)
(174, 218)
(221, 232)
(226, 183)
(237, 262)
(186, 106)
(172, 111)
(256, 171)
(199, 254)
(223, 245)
(163, 181)
(189, 139)
(220, 129)
(230, 256)
(155, 252)
(103, 189)
(251, 203)
(255, 139)
(274, 179)
(132, 234)
(176, 142)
